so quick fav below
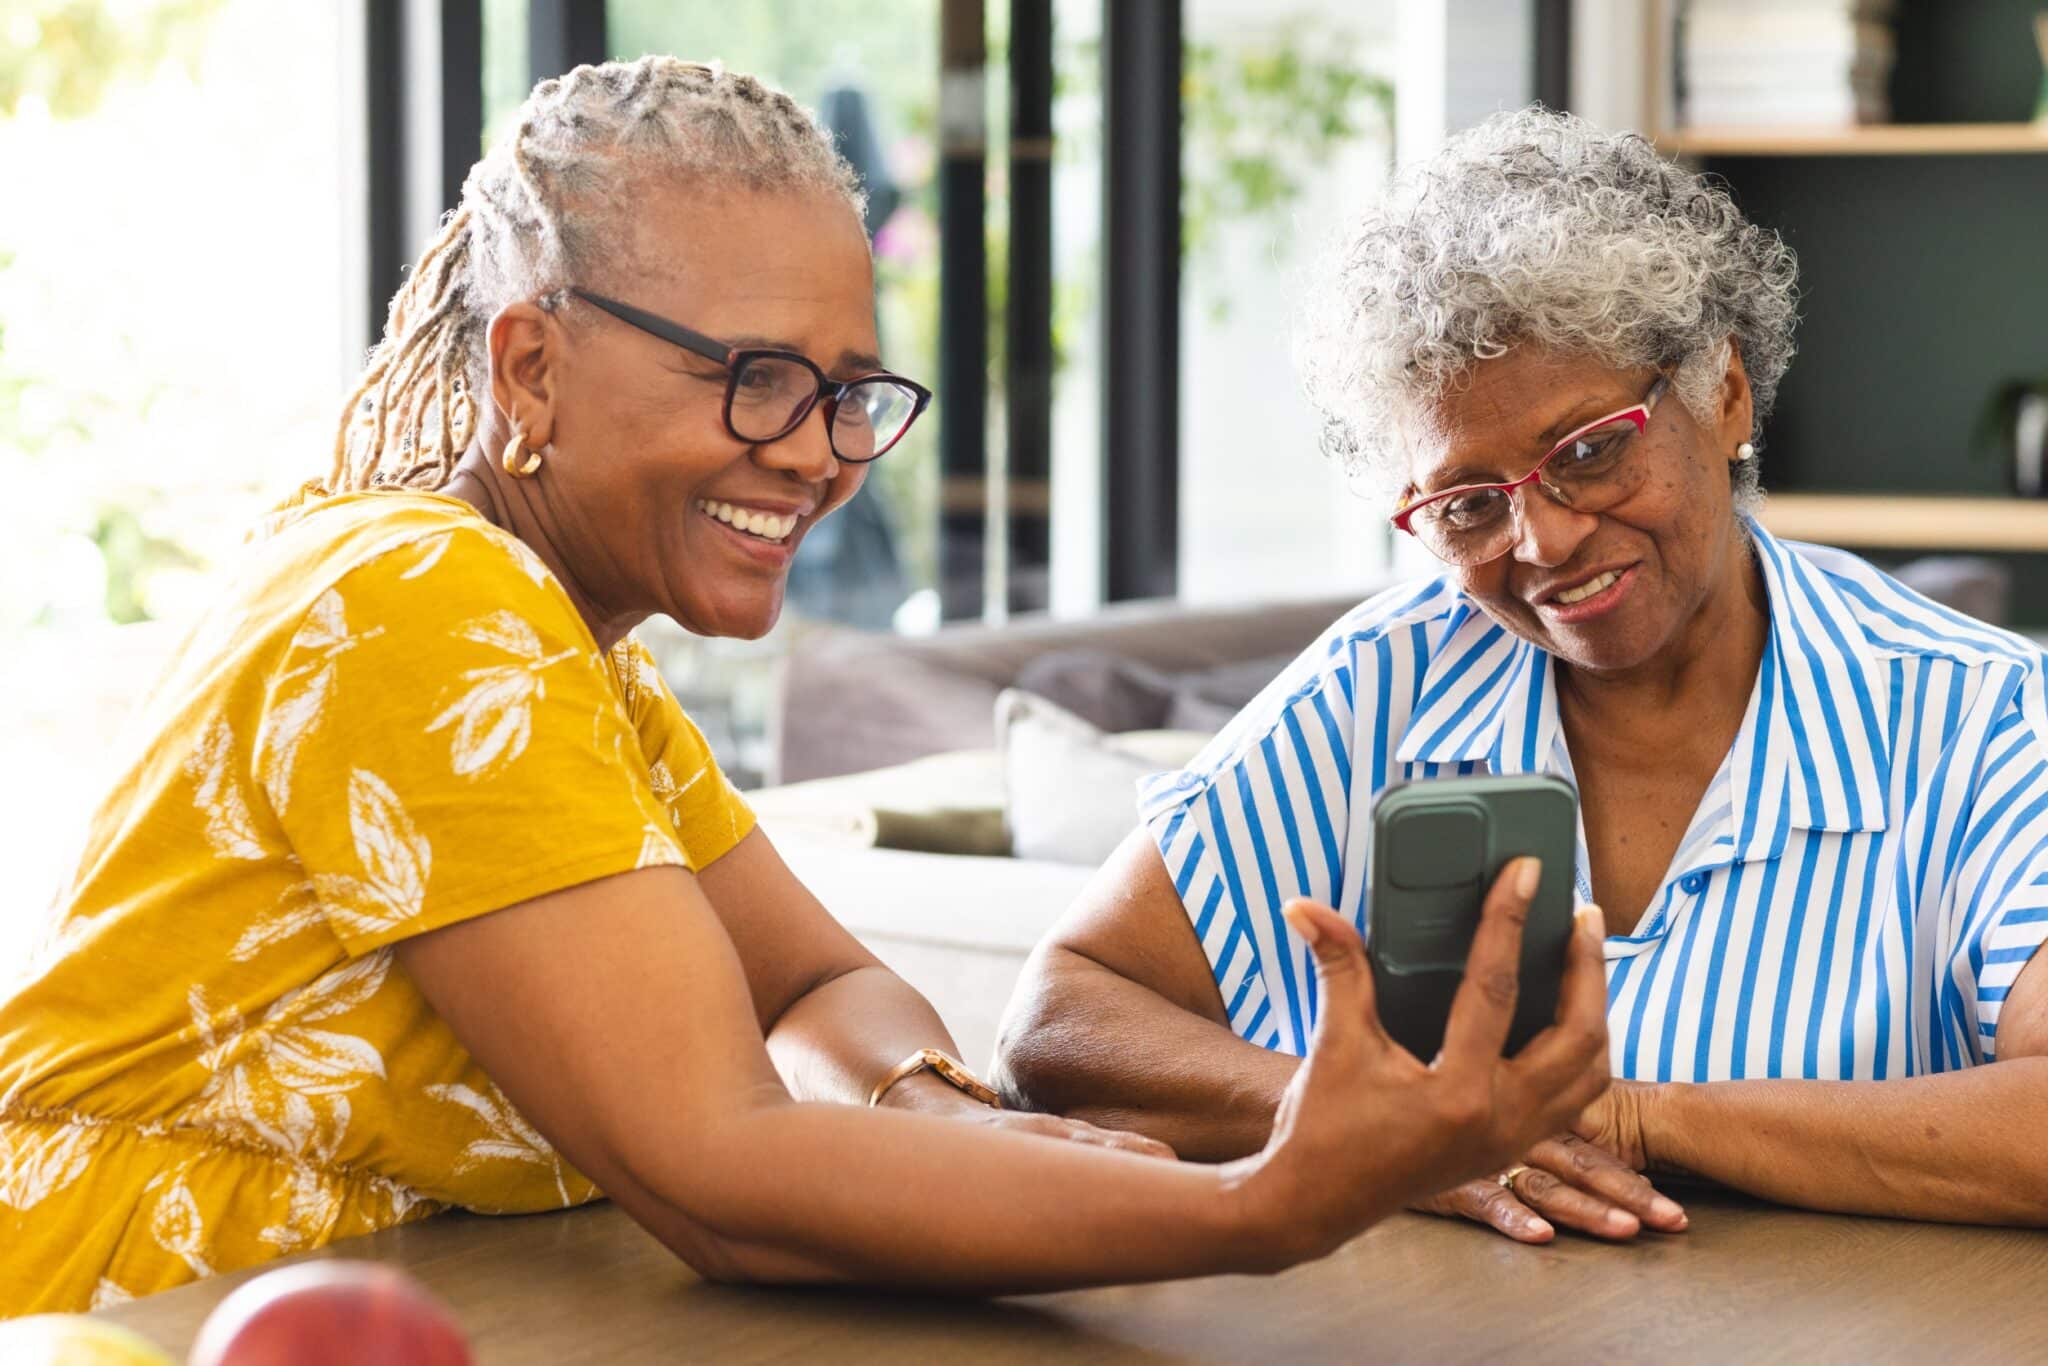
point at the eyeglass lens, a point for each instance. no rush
(770, 394)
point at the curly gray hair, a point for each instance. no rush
(551, 207)
(1536, 228)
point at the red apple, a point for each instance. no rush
(331, 1313)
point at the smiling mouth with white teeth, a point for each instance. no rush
(763, 526)
(1587, 589)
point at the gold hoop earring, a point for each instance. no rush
(519, 462)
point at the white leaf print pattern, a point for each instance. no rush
(493, 718)
(359, 907)
(323, 637)
(280, 1081)
(400, 1200)
(178, 1228)
(298, 910)
(683, 788)
(290, 721)
(310, 1213)
(395, 854)
(505, 630)
(657, 848)
(669, 792)
(642, 674)
(511, 1138)
(431, 551)
(530, 562)
(663, 784)
(396, 860)
(219, 796)
(322, 1062)
(33, 1171)
(218, 1030)
(109, 1293)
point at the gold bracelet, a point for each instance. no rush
(948, 1069)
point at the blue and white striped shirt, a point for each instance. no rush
(1861, 884)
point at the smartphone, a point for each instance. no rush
(1438, 845)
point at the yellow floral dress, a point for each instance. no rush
(394, 720)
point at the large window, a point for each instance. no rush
(1286, 123)
(916, 546)
(175, 331)
(188, 231)
(1288, 132)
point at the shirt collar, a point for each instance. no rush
(1812, 752)
(1826, 737)
(1487, 696)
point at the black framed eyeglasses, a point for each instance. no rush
(769, 393)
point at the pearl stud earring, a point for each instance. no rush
(1745, 452)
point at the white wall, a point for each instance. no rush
(1610, 39)
(1263, 512)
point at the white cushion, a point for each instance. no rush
(1071, 788)
(843, 809)
(956, 927)
(997, 905)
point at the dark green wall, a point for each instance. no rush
(1965, 61)
(1925, 278)
(1924, 283)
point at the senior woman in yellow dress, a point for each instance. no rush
(1814, 804)
(422, 891)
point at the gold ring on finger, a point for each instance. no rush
(1507, 1178)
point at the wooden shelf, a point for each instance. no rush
(1909, 522)
(1894, 139)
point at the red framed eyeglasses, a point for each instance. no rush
(1591, 469)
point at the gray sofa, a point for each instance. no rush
(851, 701)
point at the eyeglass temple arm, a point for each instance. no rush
(656, 325)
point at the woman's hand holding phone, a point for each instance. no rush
(1366, 1127)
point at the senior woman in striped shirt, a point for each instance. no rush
(1814, 806)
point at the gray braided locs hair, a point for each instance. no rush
(550, 207)
(1537, 229)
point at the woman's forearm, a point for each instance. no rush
(1093, 1044)
(841, 1037)
(959, 1208)
(803, 1192)
(1961, 1147)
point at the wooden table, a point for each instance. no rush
(1747, 1283)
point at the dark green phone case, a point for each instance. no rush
(1438, 844)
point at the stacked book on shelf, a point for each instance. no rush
(1786, 63)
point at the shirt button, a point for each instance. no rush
(1692, 884)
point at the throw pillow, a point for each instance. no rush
(1071, 786)
(1211, 699)
(943, 804)
(1110, 692)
